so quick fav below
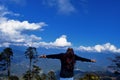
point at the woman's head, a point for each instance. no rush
(70, 51)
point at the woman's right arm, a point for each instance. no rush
(53, 56)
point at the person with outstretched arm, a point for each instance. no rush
(68, 60)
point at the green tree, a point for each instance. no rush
(6, 57)
(0, 55)
(35, 72)
(115, 66)
(31, 54)
(2, 63)
(2, 66)
(51, 75)
(90, 76)
(43, 76)
(13, 78)
(27, 75)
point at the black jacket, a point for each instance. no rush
(66, 73)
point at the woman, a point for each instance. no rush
(68, 61)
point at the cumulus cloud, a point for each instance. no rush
(58, 43)
(12, 31)
(61, 41)
(63, 6)
(100, 48)
(14, 26)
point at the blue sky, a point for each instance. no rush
(81, 24)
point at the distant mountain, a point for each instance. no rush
(20, 63)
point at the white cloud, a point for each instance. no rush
(63, 6)
(4, 11)
(100, 48)
(61, 41)
(5, 44)
(12, 31)
(14, 26)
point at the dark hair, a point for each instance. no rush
(69, 58)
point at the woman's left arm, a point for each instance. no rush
(84, 59)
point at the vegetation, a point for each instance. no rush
(90, 76)
(5, 63)
(31, 54)
(34, 74)
(13, 78)
(115, 66)
(51, 75)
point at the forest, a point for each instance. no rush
(34, 72)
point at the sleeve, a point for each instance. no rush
(82, 59)
(54, 56)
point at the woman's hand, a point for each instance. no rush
(92, 60)
(42, 56)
